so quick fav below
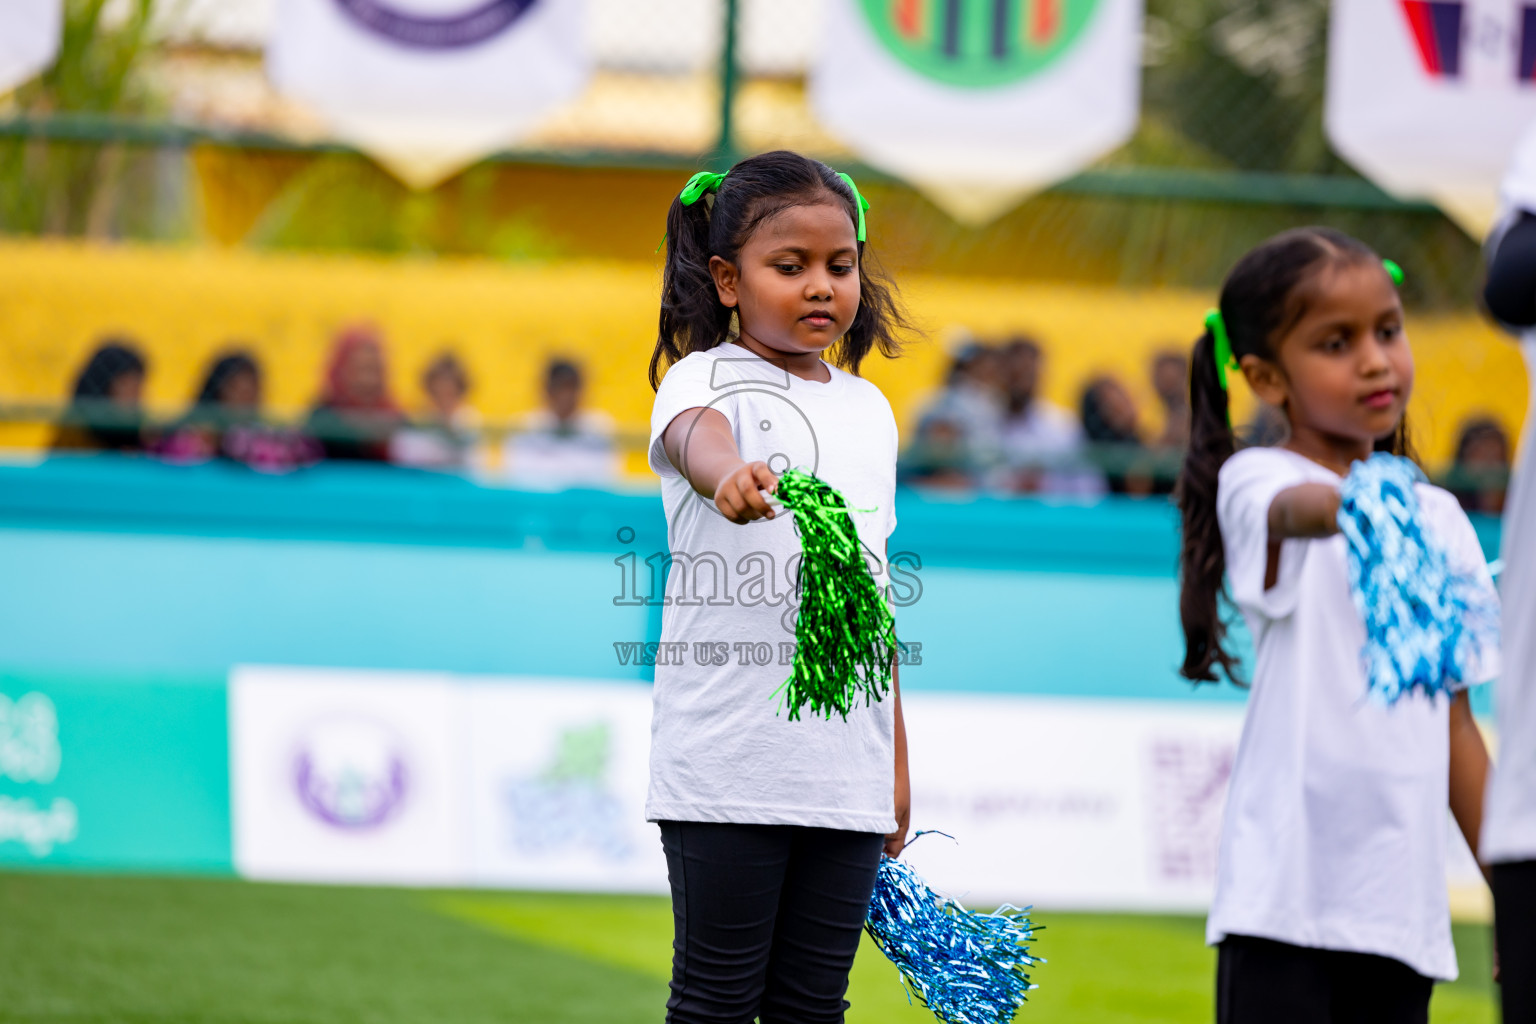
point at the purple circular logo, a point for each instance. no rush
(350, 773)
(470, 27)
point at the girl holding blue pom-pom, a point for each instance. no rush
(773, 823)
(1330, 900)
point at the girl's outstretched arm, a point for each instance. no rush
(1469, 770)
(1303, 511)
(700, 444)
(1306, 510)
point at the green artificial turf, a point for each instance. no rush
(77, 948)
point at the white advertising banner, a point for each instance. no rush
(980, 102)
(1067, 802)
(429, 86)
(1428, 98)
(30, 31)
(347, 777)
(557, 786)
(531, 783)
(418, 779)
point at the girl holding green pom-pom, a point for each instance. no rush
(773, 823)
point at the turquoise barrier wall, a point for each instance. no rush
(122, 772)
(132, 587)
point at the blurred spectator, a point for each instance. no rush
(1480, 472)
(938, 456)
(444, 435)
(974, 396)
(105, 410)
(1042, 444)
(1110, 422)
(1268, 428)
(1170, 379)
(355, 416)
(563, 445)
(225, 422)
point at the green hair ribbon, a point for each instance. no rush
(1225, 360)
(845, 633)
(859, 200)
(1394, 271)
(699, 186)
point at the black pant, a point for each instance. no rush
(767, 920)
(1514, 929)
(1259, 981)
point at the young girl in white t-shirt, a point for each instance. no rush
(1330, 902)
(772, 828)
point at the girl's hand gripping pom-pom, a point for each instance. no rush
(1423, 620)
(845, 634)
(967, 967)
(744, 494)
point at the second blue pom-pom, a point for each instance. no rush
(966, 967)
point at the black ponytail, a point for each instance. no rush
(692, 317)
(1201, 557)
(1261, 300)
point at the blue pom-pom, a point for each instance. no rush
(1423, 621)
(967, 967)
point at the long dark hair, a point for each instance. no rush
(1261, 299)
(113, 358)
(92, 415)
(226, 367)
(692, 317)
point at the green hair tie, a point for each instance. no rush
(1223, 349)
(858, 199)
(1394, 271)
(699, 186)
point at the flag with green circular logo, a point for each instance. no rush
(980, 102)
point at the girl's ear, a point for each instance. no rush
(726, 275)
(1266, 380)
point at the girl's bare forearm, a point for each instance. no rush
(1469, 771)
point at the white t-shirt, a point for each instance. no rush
(721, 750)
(1509, 818)
(1334, 834)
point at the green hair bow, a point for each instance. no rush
(1225, 360)
(699, 186)
(859, 200)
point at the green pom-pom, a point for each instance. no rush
(845, 634)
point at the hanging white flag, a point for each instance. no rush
(1428, 98)
(427, 87)
(980, 102)
(29, 39)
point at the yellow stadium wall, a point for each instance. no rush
(185, 305)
